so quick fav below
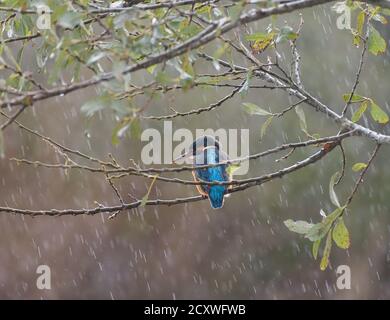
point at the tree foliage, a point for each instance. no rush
(111, 46)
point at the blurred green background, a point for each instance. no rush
(189, 251)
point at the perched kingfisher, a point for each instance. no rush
(203, 151)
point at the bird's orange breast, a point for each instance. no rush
(198, 186)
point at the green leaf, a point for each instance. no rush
(286, 33)
(252, 108)
(355, 98)
(319, 230)
(315, 248)
(119, 132)
(220, 51)
(144, 200)
(259, 36)
(94, 105)
(146, 196)
(163, 78)
(232, 168)
(376, 44)
(121, 107)
(378, 114)
(96, 56)
(70, 20)
(265, 126)
(325, 257)
(341, 234)
(58, 11)
(301, 227)
(333, 216)
(359, 28)
(302, 118)
(244, 89)
(359, 166)
(235, 11)
(19, 57)
(332, 193)
(135, 128)
(117, 70)
(386, 11)
(358, 114)
(186, 79)
(151, 68)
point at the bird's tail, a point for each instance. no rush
(216, 195)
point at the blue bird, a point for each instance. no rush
(203, 151)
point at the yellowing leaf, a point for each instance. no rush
(359, 28)
(146, 196)
(325, 257)
(333, 216)
(260, 46)
(376, 44)
(260, 40)
(378, 114)
(315, 248)
(386, 11)
(119, 131)
(265, 126)
(135, 128)
(359, 166)
(259, 36)
(151, 68)
(252, 108)
(232, 168)
(358, 114)
(355, 98)
(219, 52)
(302, 118)
(341, 235)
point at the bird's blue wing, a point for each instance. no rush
(218, 173)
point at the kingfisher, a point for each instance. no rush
(204, 151)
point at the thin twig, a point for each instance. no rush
(361, 176)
